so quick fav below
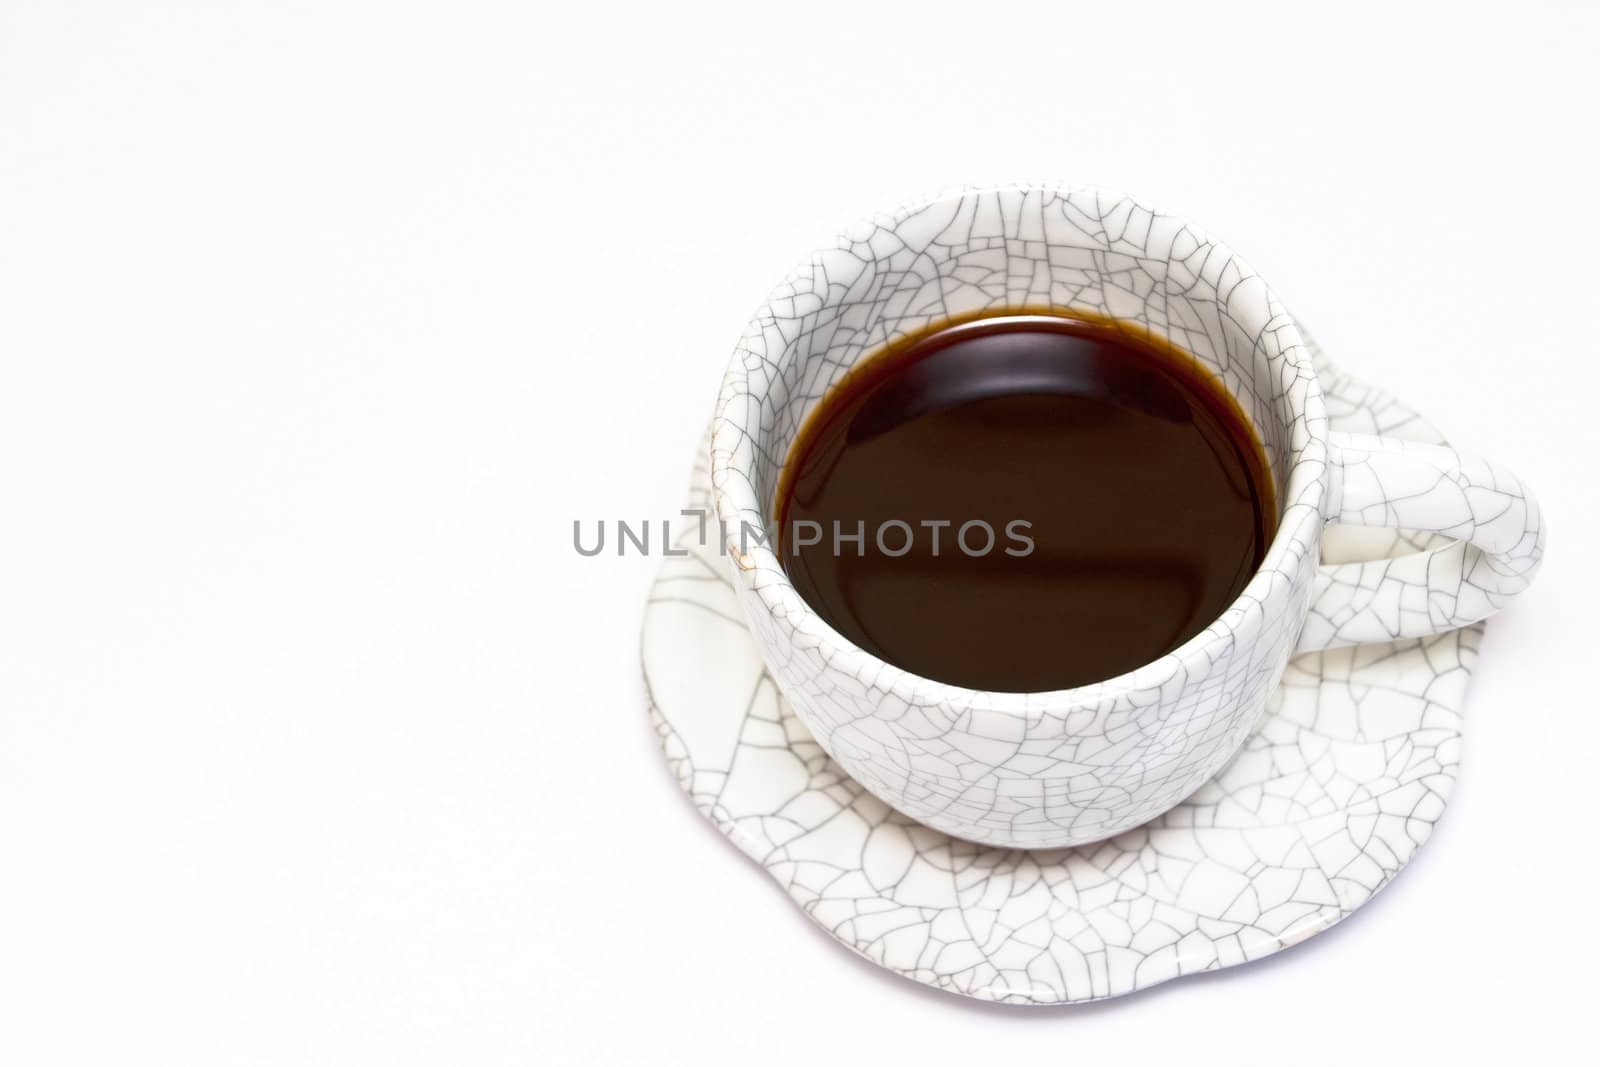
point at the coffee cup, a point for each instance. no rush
(1071, 766)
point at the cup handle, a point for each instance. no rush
(1381, 481)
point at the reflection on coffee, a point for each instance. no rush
(1024, 502)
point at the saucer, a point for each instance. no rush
(1329, 798)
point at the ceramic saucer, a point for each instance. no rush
(1330, 797)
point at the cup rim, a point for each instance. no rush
(762, 573)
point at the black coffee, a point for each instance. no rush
(1024, 503)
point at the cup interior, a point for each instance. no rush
(1011, 250)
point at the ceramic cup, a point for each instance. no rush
(1055, 769)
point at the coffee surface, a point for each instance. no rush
(1024, 503)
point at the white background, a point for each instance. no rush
(320, 323)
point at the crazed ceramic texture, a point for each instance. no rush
(1065, 768)
(989, 249)
(1001, 768)
(1330, 796)
(1424, 486)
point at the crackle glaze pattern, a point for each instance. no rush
(1330, 796)
(1381, 482)
(1058, 769)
